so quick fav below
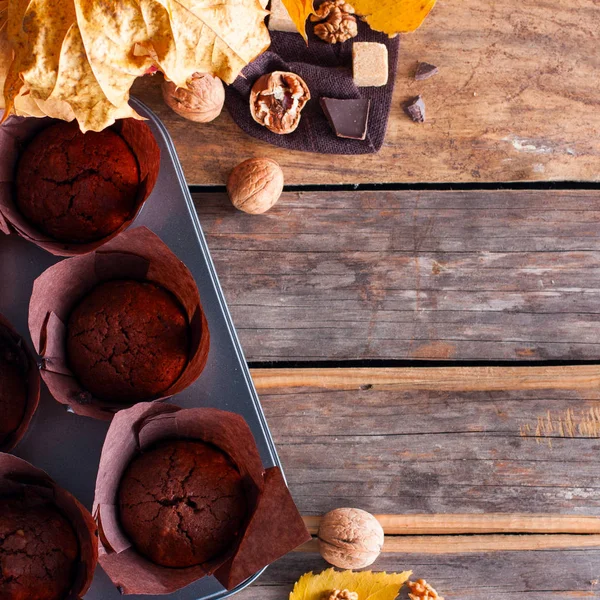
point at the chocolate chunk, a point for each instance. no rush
(416, 109)
(425, 71)
(348, 118)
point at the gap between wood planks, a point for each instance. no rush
(469, 533)
(416, 187)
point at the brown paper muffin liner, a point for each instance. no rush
(135, 254)
(33, 384)
(19, 477)
(274, 526)
(15, 135)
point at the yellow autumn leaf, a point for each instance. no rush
(79, 58)
(212, 37)
(368, 585)
(393, 16)
(387, 16)
(299, 11)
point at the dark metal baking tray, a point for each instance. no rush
(67, 446)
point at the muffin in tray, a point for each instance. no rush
(182, 503)
(128, 340)
(183, 493)
(48, 540)
(77, 187)
(19, 386)
(38, 551)
(118, 325)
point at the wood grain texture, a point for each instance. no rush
(419, 457)
(516, 99)
(533, 575)
(481, 275)
(469, 544)
(415, 452)
(447, 524)
(580, 377)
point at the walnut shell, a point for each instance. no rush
(201, 102)
(277, 99)
(350, 538)
(255, 185)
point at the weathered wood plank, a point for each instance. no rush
(482, 275)
(417, 455)
(403, 452)
(447, 524)
(516, 99)
(581, 377)
(534, 575)
(469, 544)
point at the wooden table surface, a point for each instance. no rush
(430, 354)
(516, 99)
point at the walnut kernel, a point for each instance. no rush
(339, 23)
(421, 590)
(350, 538)
(277, 99)
(341, 595)
(255, 185)
(202, 101)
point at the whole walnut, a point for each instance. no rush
(255, 185)
(202, 101)
(350, 538)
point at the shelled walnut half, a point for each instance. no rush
(341, 595)
(277, 99)
(339, 23)
(421, 590)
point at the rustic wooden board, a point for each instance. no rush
(541, 575)
(451, 526)
(481, 275)
(403, 452)
(422, 456)
(516, 99)
(473, 544)
(447, 379)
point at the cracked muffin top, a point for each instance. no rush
(182, 503)
(13, 387)
(77, 187)
(128, 341)
(38, 551)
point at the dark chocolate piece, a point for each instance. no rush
(348, 117)
(425, 71)
(416, 110)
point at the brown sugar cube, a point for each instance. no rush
(280, 20)
(369, 64)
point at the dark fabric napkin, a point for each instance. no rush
(327, 70)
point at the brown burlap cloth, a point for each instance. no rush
(327, 70)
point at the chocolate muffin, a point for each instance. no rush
(38, 551)
(128, 341)
(182, 503)
(13, 387)
(77, 187)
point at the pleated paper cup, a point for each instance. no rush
(17, 132)
(19, 478)
(137, 254)
(273, 527)
(12, 342)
